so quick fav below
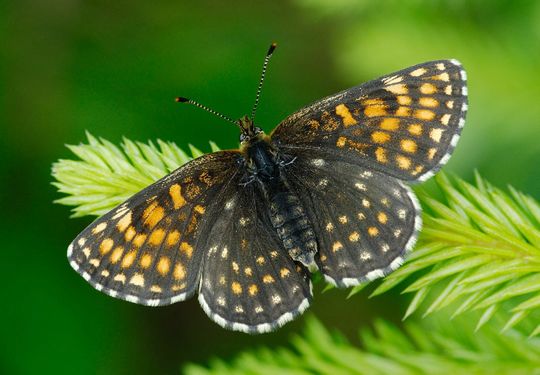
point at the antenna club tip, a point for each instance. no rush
(181, 99)
(272, 48)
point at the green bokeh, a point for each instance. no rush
(114, 68)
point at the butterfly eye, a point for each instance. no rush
(257, 130)
(244, 137)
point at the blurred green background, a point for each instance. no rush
(113, 68)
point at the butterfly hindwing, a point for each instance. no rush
(365, 221)
(148, 250)
(405, 124)
(249, 282)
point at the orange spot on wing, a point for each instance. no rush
(175, 191)
(163, 266)
(253, 289)
(404, 100)
(139, 239)
(156, 237)
(267, 279)
(116, 254)
(403, 111)
(403, 162)
(128, 259)
(186, 249)
(374, 111)
(398, 89)
(408, 145)
(417, 170)
(236, 287)
(173, 237)
(130, 233)
(337, 246)
(427, 101)
(441, 77)
(145, 261)
(343, 111)
(153, 214)
(380, 137)
(179, 272)
(418, 72)
(380, 154)
(106, 245)
(428, 88)
(415, 129)
(374, 107)
(424, 114)
(390, 123)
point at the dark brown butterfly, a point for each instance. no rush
(325, 190)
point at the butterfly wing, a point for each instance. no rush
(249, 282)
(405, 124)
(149, 249)
(197, 229)
(365, 221)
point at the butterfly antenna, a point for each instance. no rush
(199, 105)
(265, 65)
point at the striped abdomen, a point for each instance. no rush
(292, 225)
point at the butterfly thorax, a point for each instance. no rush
(265, 167)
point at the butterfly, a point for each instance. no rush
(326, 190)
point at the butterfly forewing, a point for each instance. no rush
(148, 250)
(404, 124)
(249, 283)
(365, 221)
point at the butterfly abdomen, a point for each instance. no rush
(291, 223)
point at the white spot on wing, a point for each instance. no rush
(360, 186)
(392, 79)
(454, 140)
(230, 204)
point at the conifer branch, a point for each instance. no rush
(431, 346)
(106, 175)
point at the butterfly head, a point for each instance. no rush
(250, 132)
